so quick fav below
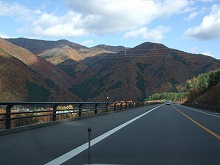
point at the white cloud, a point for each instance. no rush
(209, 28)
(195, 12)
(94, 16)
(208, 53)
(195, 50)
(87, 43)
(192, 16)
(206, 0)
(58, 26)
(155, 34)
(20, 13)
(105, 16)
(4, 35)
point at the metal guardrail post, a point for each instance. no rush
(55, 112)
(121, 106)
(80, 110)
(106, 107)
(96, 107)
(115, 106)
(8, 116)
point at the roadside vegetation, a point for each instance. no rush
(172, 96)
(202, 83)
(202, 89)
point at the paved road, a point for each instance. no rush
(164, 134)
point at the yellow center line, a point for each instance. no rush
(200, 125)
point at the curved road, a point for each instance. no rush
(157, 134)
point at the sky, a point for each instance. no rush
(188, 25)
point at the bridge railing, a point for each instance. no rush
(15, 114)
(207, 108)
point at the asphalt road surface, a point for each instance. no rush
(157, 134)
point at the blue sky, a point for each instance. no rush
(188, 25)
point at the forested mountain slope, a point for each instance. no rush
(26, 77)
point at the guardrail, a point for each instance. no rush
(15, 114)
(207, 108)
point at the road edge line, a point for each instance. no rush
(200, 125)
(65, 157)
(193, 109)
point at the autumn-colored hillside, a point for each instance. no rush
(57, 52)
(40, 46)
(204, 90)
(139, 72)
(58, 55)
(210, 98)
(121, 73)
(26, 77)
(36, 63)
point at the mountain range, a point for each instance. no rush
(25, 76)
(70, 71)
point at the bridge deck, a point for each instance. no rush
(159, 136)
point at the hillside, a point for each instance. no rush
(204, 89)
(122, 73)
(210, 98)
(141, 71)
(39, 46)
(26, 77)
(37, 64)
(57, 52)
(58, 55)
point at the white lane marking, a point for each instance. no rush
(192, 109)
(63, 158)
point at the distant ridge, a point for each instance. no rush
(22, 72)
(143, 70)
(122, 73)
(58, 51)
(38, 46)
